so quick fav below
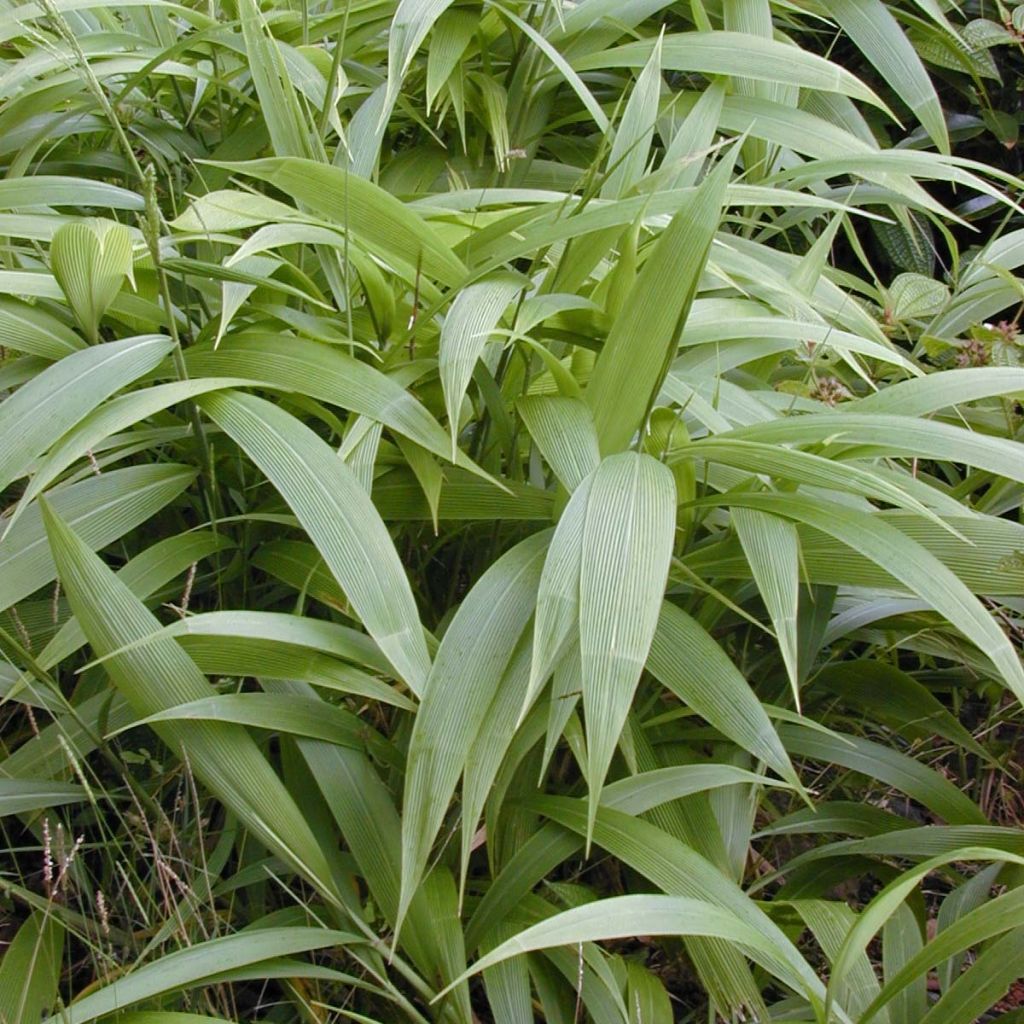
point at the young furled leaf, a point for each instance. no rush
(91, 260)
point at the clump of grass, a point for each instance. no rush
(511, 513)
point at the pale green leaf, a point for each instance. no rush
(339, 518)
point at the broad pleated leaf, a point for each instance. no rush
(278, 100)
(885, 764)
(99, 509)
(884, 905)
(322, 372)
(61, 190)
(340, 520)
(880, 38)
(677, 869)
(739, 54)
(923, 395)
(117, 414)
(32, 330)
(36, 415)
(628, 157)
(556, 623)
(688, 661)
(188, 968)
(912, 564)
(295, 716)
(412, 21)
(31, 968)
(626, 917)
(772, 547)
(925, 438)
(390, 228)
(467, 328)
(20, 795)
(470, 662)
(626, 546)
(642, 342)
(563, 429)
(991, 918)
(983, 984)
(159, 676)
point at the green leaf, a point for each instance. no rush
(563, 67)
(159, 676)
(279, 103)
(991, 918)
(556, 621)
(915, 296)
(340, 519)
(803, 467)
(884, 764)
(323, 372)
(622, 917)
(388, 227)
(943, 390)
(144, 575)
(20, 795)
(270, 659)
(452, 33)
(474, 315)
(892, 896)
(36, 415)
(880, 38)
(470, 662)
(188, 968)
(986, 559)
(251, 627)
(893, 696)
(627, 160)
(563, 430)
(90, 260)
(99, 509)
(677, 869)
(772, 547)
(642, 342)
(167, 1017)
(36, 332)
(909, 562)
(30, 969)
(685, 659)
(117, 414)
(626, 546)
(738, 54)
(310, 717)
(901, 940)
(694, 136)
(982, 985)
(646, 996)
(412, 21)
(363, 809)
(58, 190)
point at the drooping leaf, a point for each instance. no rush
(190, 967)
(340, 519)
(159, 676)
(465, 333)
(55, 400)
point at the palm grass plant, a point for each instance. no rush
(511, 512)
